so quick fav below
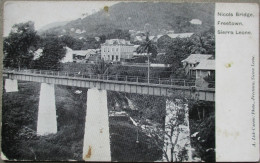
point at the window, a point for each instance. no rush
(108, 57)
(117, 49)
(112, 49)
(117, 58)
(112, 57)
(107, 49)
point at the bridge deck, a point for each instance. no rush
(130, 84)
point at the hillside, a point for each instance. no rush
(53, 25)
(162, 16)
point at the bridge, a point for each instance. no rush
(128, 84)
(96, 145)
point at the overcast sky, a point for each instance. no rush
(43, 13)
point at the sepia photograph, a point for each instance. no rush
(108, 81)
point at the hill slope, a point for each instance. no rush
(53, 25)
(134, 15)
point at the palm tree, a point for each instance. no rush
(148, 47)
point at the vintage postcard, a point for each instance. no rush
(155, 81)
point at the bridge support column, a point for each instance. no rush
(183, 137)
(11, 85)
(96, 145)
(47, 121)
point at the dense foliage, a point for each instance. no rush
(20, 142)
(19, 45)
(202, 122)
(19, 139)
(53, 52)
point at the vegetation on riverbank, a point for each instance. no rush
(20, 142)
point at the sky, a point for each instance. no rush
(46, 12)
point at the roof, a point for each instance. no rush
(37, 54)
(195, 58)
(117, 42)
(180, 35)
(151, 37)
(158, 36)
(206, 65)
(82, 52)
(136, 46)
(138, 38)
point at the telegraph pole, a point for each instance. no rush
(148, 75)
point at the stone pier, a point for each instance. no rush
(47, 120)
(11, 85)
(96, 145)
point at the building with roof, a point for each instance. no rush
(117, 50)
(205, 68)
(190, 63)
(78, 55)
(180, 35)
(37, 54)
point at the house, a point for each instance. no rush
(94, 57)
(180, 35)
(196, 21)
(97, 38)
(190, 63)
(78, 55)
(117, 50)
(37, 54)
(205, 68)
(138, 38)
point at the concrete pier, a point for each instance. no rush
(96, 145)
(47, 121)
(11, 85)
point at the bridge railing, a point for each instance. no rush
(125, 78)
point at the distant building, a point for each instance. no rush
(196, 21)
(78, 55)
(117, 50)
(205, 68)
(180, 35)
(78, 31)
(37, 54)
(138, 38)
(170, 32)
(94, 57)
(190, 63)
(97, 38)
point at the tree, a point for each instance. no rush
(203, 43)
(148, 47)
(53, 52)
(119, 34)
(99, 68)
(167, 130)
(178, 49)
(164, 42)
(75, 44)
(20, 45)
(176, 52)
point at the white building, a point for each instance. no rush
(205, 68)
(117, 50)
(190, 63)
(180, 35)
